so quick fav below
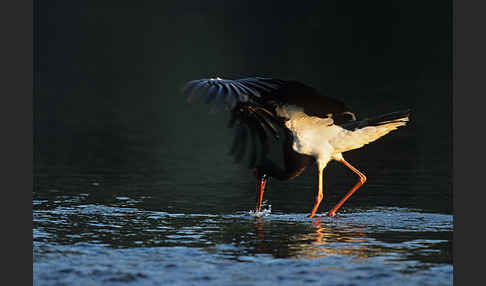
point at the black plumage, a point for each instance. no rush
(258, 106)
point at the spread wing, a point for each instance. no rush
(253, 115)
(252, 103)
(230, 93)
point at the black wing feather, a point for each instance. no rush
(257, 86)
(212, 92)
(266, 124)
(230, 99)
(252, 102)
(254, 149)
(236, 91)
(194, 90)
(260, 84)
(220, 94)
(242, 145)
(252, 117)
(247, 90)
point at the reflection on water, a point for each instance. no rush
(325, 241)
(73, 240)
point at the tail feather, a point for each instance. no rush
(366, 131)
(393, 117)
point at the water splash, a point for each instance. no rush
(265, 211)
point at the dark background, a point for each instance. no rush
(107, 105)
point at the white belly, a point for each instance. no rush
(321, 139)
(312, 135)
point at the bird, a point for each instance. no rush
(293, 120)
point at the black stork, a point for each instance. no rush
(312, 128)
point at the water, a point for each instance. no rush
(114, 244)
(119, 202)
(103, 229)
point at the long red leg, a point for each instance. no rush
(362, 179)
(319, 195)
(260, 189)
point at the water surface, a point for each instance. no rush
(78, 242)
(121, 205)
